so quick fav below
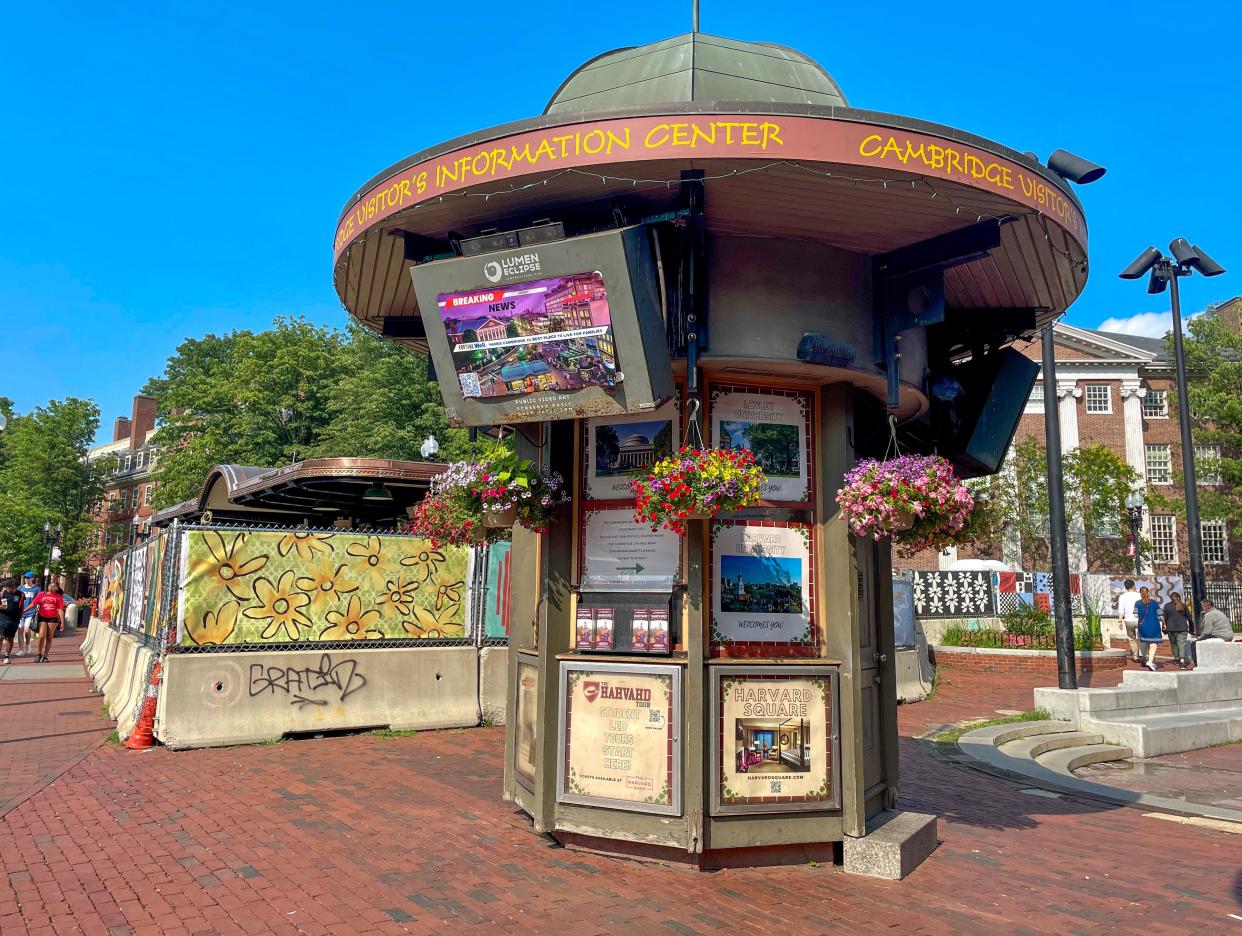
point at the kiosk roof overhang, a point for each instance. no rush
(854, 179)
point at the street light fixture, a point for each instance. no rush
(1165, 272)
(1134, 510)
(51, 537)
(430, 448)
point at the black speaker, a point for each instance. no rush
(985, 417)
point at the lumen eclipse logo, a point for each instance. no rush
(508, 268)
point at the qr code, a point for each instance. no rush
(655, 717)
(470, 386)
(774, 786)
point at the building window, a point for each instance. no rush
(129, 462)
(1207, 464)
(1036, 399)
(1099, 398)
(1163, 538)
(1156, 404)
(1107, 527)
(1159, 465)
(146, 495)
(1215, 541)
(142, 458)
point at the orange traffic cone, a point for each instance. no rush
(143, 735)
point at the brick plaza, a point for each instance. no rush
(371, 834)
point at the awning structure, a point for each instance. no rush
(320, 490)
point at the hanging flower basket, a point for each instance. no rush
(915, 500)
(696, 484)
(473, 503)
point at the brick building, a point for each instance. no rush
(1116, 390)
(130, 488)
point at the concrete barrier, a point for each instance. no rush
(211, 699)
(493, 683)
(120, 667)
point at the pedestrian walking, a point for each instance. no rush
(29, 590)
(1126, 603)
(1150, 633)
(11, 601)
(50, 616)
(1213, 625)
(1177, 626)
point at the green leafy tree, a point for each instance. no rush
(1214, 362)
(383, 406)
(1013, 504)
(291, 392)
(45, 478)
(607, 447)
(775, 447)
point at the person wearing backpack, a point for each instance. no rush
(50, 616)
(11, 601)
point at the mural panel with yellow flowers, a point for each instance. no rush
(266, 587)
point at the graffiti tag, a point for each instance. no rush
(340, 679)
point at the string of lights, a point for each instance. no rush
(920, 181)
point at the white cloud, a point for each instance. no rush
(1143, 324)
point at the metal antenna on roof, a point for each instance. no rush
(694, 16)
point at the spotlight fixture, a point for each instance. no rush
(1185, 254)
(1074, 168)
(1142, 263)
(1207, 266)
(1156, 283)
(377, 494)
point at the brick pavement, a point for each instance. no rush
(365, 834)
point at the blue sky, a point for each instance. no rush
(173, 169)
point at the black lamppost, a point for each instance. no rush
(1165, 272)
(134, 522)
(1134, 511)
(50, 538)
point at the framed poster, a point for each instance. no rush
(761, 582)
(773, 425)
(620, 448)
(620, 554)
(774, 739)
(619, 745)
(524, 737)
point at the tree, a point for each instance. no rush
(291, 392)
(245, 398)
(1214, 361)
(383, 406)
(1013, 504)
(607, 447)
(45, 478)
(775, 447)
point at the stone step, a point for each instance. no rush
(1067, 760)
(1170, 733)
(997, 735)
(1127, 698)
(1036, 745)
(1194, 687)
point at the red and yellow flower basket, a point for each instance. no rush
(696, 484)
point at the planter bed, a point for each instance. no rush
(1041, 662)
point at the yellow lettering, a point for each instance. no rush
(600, 142)
(681, 135)
(750, 134)
(706, 134)
(772, 133)
(862, 147)
(617, 141)
(656, 137)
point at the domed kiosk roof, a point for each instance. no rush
(696, 68)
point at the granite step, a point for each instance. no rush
(1067, 760)
(1032, 747)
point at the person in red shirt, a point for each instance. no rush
(50, 615)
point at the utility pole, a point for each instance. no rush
(1063, 616)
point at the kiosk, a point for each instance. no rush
(720, 251)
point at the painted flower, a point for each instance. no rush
(325, 584)
(304, 543)
(280, 605)
(398, 595)
(353, 623)
(226, 563)
(372, 552)
(428, 623)
(426, 562)
(214, 627)
(448, 591)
